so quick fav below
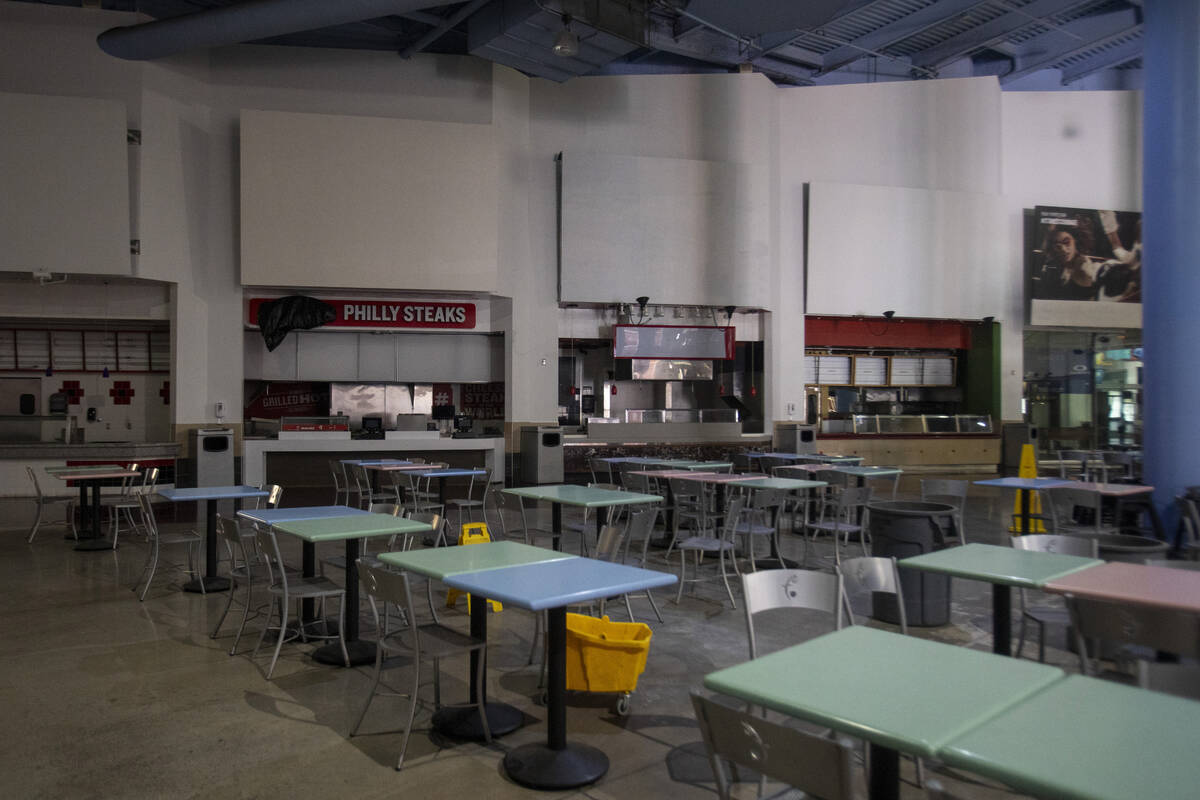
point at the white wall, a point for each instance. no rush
(345, 201)
(1077, 149)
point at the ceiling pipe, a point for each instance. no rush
(245, 22)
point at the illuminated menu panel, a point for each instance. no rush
(834, 370)
(870, 370)
(906, 371)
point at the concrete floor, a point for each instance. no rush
(108, 697)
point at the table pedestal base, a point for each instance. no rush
(463, 722)
(360, 652)
(884, 780)
(213, 584)
(539, 767)
(94, 544)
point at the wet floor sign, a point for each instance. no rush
(1028, 470)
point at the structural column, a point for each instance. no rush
(1171, 234)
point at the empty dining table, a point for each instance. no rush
(559, 495)
(899, 693)
(1026, 486)
(1004, 568)
(1138, 584)
(439, 563)
(210, 581)
(90, 478)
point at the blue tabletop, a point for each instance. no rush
(270, 516)
(449, 473)
(1024, 483)
(551, 584)
(212, 493)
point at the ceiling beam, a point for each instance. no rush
(990, 33)
(903, 28)
(440, 30)
(1106, 59)
(1086, 33)
(705, 44)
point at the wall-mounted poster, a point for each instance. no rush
(1085, 267)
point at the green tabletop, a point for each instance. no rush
(1088, 739)
(703, 466)
(787, 484)
(336, 529)
(898, 691)
(440, 562)
(1003, 565)
(869, 472)
(571, 495)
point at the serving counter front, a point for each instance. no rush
(14, 457)
(296, 460)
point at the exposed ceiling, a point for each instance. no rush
(808, 42)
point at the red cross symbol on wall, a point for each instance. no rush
(121, 393)
(73, 391)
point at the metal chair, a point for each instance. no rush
(341, 487)
(1157, 629)
(243, 572)
(723, 545)
(868, 578)
(284, 586)
(795, 589)
(128, 503)
(693, 506)
(42, 499)
(1047, 615)
(953, 493)
(367, 494)
(530, 534)
(470, 503)
(848, 514)
(189, 539)
(338, 561)
(123, 502)
(601, 470)
(761, 520)
(418, 642)
(1078, 511)
(420, 494)
(816, 765)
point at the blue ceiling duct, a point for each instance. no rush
(245, 22)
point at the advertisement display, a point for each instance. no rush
(1084, 267)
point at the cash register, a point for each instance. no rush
(372, 428)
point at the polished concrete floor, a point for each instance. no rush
(106, 696)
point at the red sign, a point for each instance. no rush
(483, 400)
(389, 314)
(288, 399)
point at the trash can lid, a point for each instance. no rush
(912, 508)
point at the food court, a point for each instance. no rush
(584, 398)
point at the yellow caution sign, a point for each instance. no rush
(472, 533)
(1028, 469)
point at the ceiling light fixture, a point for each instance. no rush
(566, 44)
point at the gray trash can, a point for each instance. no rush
(1123, 547)
(904, 528)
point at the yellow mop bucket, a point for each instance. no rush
(605, 656)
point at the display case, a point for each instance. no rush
(910, 424)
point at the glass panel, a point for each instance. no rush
(968, 423)
(133, 351)
(68, 349)
(901, 424)
(866, 423)
(33, 349)
(160, 351)
(8, 353)
(100, 350)
(940, 424)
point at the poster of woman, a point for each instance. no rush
(1084, 255)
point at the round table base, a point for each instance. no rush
(462, 722)
(539, 767)
(213, 584)
(360, 652)
(94, 544)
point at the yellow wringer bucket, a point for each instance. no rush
(1028, 470)
(472, 533)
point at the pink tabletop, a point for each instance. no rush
(82, 475)
(399, 467)
(1163, 587)
(1112, 489)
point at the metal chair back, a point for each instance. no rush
(864, 579)
(795, 589)
(816, 765)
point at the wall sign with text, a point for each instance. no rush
(390, 314)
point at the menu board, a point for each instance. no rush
(938, 371)
(834, 370)
(870, 371)
(906, 371)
